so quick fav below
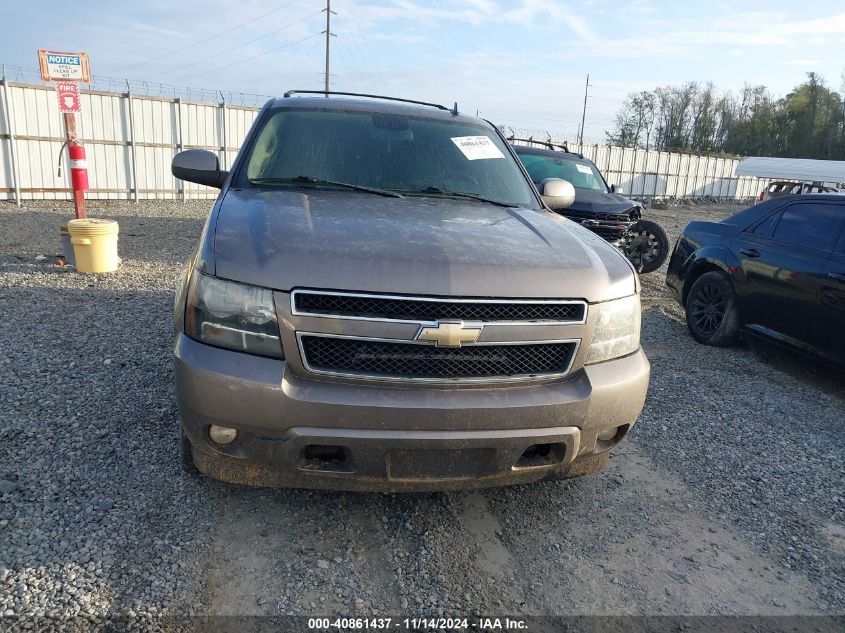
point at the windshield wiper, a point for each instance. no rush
(445, 191)
(320, 181)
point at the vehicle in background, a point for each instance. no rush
(775, 270)
(794, 176)
(381, 300)
(598, 206)
(779, 188)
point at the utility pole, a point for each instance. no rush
(584, 112)
(329, 35)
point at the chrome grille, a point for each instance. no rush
(401, 308)
(381, 358)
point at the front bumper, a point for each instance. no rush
(397, 437)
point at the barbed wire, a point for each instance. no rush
(551, 137)
(106, 83)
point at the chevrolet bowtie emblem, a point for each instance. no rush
(449, 334)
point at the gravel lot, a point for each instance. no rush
(727, 498)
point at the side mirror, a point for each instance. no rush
(557, 193)
(616, 189)
(199, 166)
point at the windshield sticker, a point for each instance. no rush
(476, 147)
(584, 169)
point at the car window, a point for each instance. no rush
(811, 225)
(400, 152)
(581, 173)
(765, 227)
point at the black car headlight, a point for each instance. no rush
(232, 315)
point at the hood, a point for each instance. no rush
(284, 239)
(595, 201)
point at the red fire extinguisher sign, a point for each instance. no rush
(67, 92)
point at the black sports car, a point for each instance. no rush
(775, 270)
(597, 206)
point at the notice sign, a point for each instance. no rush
(476, 147)
(57, 66)
(67, 93)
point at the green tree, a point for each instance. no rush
(809, 122)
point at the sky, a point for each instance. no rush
(520, 63)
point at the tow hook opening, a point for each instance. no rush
(323, 457)
(609, 438)
(540, 455)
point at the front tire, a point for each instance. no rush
(647, 247)
(712, 315)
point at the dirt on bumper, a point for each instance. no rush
(297, 432)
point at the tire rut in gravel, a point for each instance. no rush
(758, 446)
(628, 541)
(453, 560)
(296, 552)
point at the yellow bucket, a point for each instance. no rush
(94, 244)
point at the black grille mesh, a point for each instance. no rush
(408, 360)
(611, 227)
(415, 310)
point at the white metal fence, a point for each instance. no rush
(130, 140)
(654, 174)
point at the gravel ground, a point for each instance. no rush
(727, 498)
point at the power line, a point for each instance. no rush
(615, 100)
(358, 60)
(216, 35)
(246, 59)
(369, 53)
(612, 89)
(234, 48)
(345, 53)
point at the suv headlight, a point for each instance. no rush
(617, 331)
(232, 315)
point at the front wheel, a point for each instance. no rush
(646, 246)
(712, 315)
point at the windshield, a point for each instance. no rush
(390, 152)
(580, 172)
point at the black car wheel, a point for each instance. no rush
(647, 246)
(712, 316)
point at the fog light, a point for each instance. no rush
(605, 436)
(222, 434)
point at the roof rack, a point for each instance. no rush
(290, 93)
(548, 143)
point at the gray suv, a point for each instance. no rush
(382, 300)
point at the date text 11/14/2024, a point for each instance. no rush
(417, 624)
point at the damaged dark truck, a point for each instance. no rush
(382, 300)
